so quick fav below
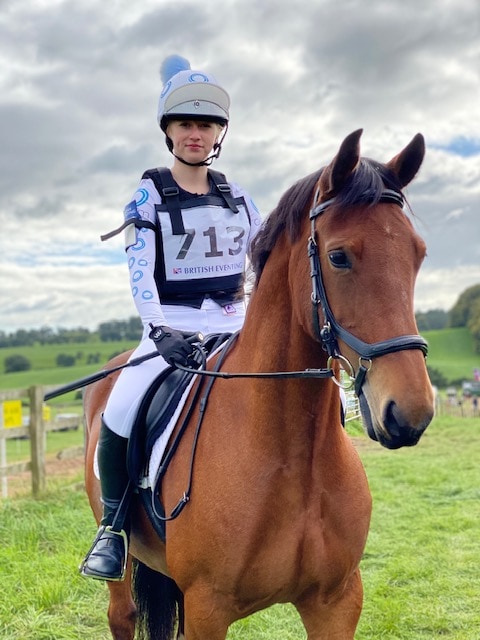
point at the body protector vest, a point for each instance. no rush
(201, 241)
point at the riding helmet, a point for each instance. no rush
(191, 94)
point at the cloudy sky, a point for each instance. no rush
(79, 86)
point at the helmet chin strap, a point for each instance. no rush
(217, 148)
(204, 163)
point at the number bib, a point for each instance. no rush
(210, 256)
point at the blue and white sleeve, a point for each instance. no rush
(141, 254)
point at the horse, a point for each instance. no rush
(279, 510)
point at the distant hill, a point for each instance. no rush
(451, 351)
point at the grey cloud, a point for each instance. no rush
(79, 86)
(121, 159)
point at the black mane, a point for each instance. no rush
(365, 185)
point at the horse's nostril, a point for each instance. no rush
(392, 420)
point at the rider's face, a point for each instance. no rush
(193, 140)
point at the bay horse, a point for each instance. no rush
(280, 507)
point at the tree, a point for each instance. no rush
(111, 331)
(434, 319)
(464, 309)
(17, 362)
(473, 324)
(437, 378)
(22, 338)
(134, 328)
(117, 330)
(65, 360)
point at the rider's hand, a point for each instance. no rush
(171, 344)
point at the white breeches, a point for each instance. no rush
(133, 381)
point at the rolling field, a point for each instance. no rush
(451, 352)
(44, 369)
(420, 568)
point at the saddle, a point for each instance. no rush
(154, 415)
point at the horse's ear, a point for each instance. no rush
(406, 164)
(345, 161)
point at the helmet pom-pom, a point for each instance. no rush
(171, 66)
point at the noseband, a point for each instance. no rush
(331, 331)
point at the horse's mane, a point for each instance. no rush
(365, 185)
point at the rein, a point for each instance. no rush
(331, 330)
(304, 373)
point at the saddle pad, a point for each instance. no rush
(160, 445)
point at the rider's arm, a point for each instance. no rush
(141, 255)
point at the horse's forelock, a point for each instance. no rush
(365, 185)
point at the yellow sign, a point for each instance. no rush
(12, 414)
(47, 413)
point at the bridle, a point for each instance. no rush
(331, 330)
(327, 336)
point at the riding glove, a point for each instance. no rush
(171, 344)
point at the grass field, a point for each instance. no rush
(420, 568)
(451, 352)
(43, 357)
(19, 450)
(45, 371)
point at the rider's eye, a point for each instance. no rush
(339, 259)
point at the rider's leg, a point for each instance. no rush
(106, 559)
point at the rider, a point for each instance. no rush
(187, 234)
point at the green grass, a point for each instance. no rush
(44, 369)
(43, 596)
(19, 450)
(420, 568)
(451, 352)
(44, 356)
(421, 563)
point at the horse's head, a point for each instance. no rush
(367, 255)
(363, 258)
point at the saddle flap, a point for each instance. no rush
(154, 414)
(158, 406)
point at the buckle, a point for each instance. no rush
(170, 191)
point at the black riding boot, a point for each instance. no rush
(107, 557)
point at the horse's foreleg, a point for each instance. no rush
(337, 619)
(122, 610)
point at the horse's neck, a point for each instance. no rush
(273, 340)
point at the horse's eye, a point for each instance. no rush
(339, 260)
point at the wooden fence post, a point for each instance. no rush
(37, 440)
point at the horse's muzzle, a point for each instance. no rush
(397, 432)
